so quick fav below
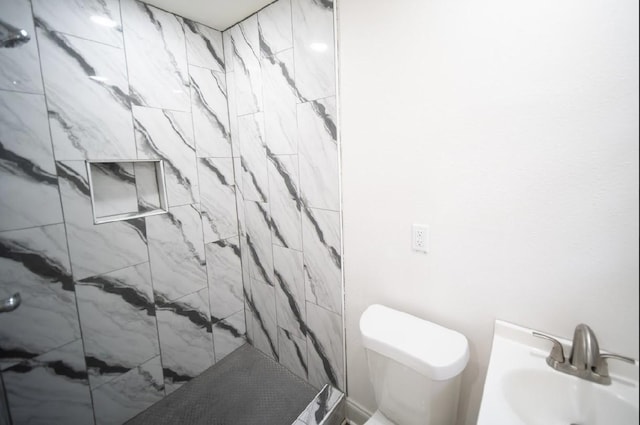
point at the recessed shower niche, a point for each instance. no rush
(126, 189)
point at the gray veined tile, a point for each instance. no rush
(325, 347)
(227, 44)
(293, 353)
(229, 334)
(114, 188)
(97, 20)
(147, 186)
(117, 315)
(176, 252)
(323, 404)
(90, 118)
(28, 183)
(319, 172)
(254, 157)
(322, 258)
(245, 48)
(225, 278)
(218, 206)
(168, 135)
(51, 389)
(258, 241)
(263, 318)
(232, 103)
(20, 68)
(210, 112)
(284, 201)
(289, 281)
(274, 23)
(280, 99)
(314, 48)
(204, 46)
(124, 397)
(96, 248)
(156, 56)
(186, 343)
(35, 263)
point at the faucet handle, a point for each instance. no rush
(602, 367)
(556, 356)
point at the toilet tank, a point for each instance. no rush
(414, 366)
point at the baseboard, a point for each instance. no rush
(356, 414)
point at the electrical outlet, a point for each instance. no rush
(420, 238)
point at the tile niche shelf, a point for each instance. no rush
(126, 189)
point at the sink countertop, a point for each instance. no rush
(521, 389)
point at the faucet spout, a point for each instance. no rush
(585, 352)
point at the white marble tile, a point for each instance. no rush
(229, 334)
(248, 317)
(323, 405)
(319, 167)
(96, 249)
(245, 48)
(20, 68)
(280, 100)
(147, 187)
(276, 33)
(263, 321)
(225, 278)
(232, 103)
(176, 252)
(218, 206)
(114, 188)
(51, 389)
(322, 258)
(168, 135)
(97, 20)
(289, 281)
(210, 112)
(284, 201)
(124, 397)
(156, 56)
(28, 183)
(254, 157)
(325, 347)
(117, 315)
(314, 48)
(227, 44)
(35, 263)
(87, 97)
(204, 46)
(259, 241)
(186, 343)
(293, 353)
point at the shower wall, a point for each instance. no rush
(114, 316)
(282, 100)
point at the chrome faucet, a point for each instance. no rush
(585, 360)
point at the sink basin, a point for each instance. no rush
(521, 389)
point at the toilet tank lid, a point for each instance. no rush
(430, 349)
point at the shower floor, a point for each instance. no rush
(244, 388)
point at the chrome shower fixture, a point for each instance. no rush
(11, 36)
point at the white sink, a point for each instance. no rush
(521, 389)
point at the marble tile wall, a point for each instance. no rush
(117, 315)
(280, 75)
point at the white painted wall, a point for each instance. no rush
(511, 128)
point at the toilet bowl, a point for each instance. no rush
(414, 367)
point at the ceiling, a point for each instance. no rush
(218, 14)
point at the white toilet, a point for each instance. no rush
(414, 366)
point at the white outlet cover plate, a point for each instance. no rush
(420, 238)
